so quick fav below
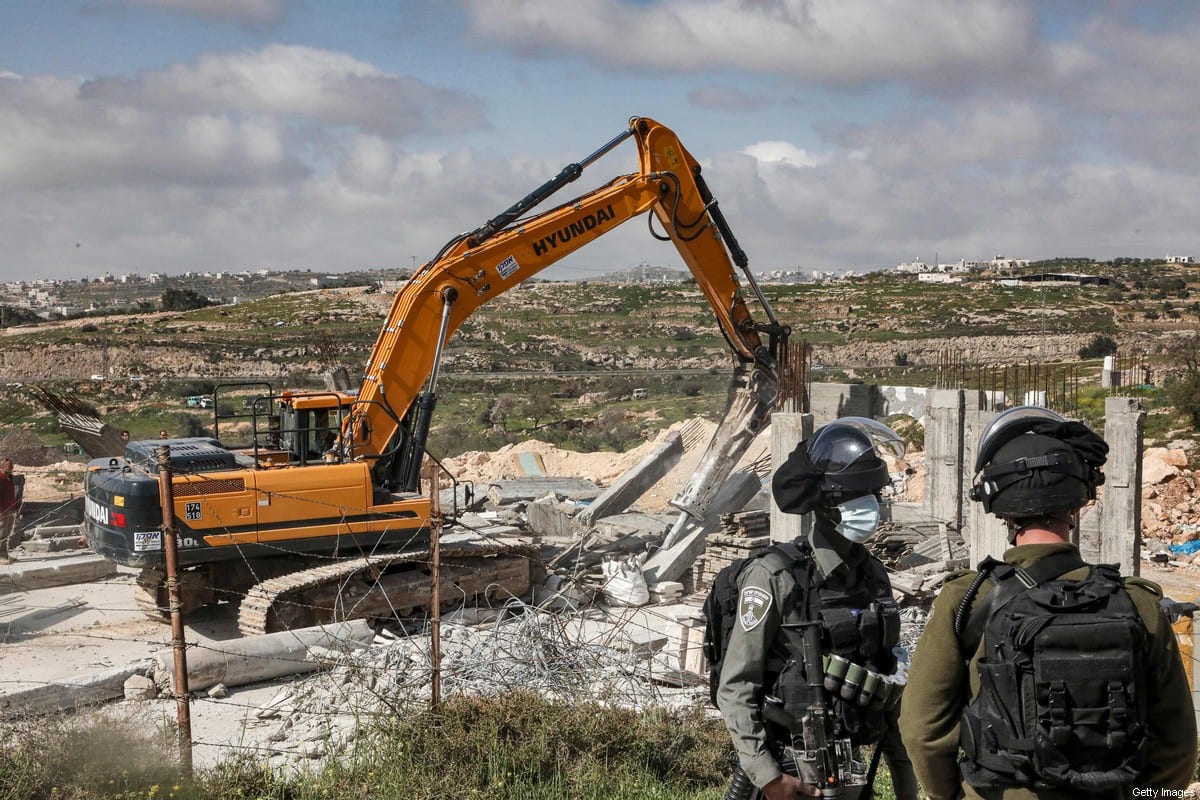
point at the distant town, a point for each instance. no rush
(28, 301)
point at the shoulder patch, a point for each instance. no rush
(752, 607)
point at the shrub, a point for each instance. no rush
(183, 300)
(910, 430)
(1184, 393)
(91, 755)
(1098, 347)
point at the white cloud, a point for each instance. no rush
(834, 42)
(292, 81)
(782, 153)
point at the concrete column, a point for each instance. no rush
(635, 482)
(787, 431)
(1121, 508)
(272, 655)
(985, 534)
(944, 455)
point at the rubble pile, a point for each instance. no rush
(1170, 505)
(574, 657)
(742, 535)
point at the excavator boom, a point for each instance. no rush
(399, 387)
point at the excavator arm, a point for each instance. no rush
(391, 419)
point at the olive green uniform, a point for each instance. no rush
(941, 683)
(768, 597)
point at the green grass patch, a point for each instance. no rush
(514, 746)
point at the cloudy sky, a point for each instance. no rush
(175, 135)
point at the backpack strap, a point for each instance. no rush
(800, 564)
(1010, 581)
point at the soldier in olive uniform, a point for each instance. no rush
(1036, 471)
(837, 475)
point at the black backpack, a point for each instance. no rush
(720, 606)
(1062, 688)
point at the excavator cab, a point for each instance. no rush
(292, 428)
(309, 424)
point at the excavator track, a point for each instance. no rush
(146, 593)
(383, 585)
(150, 592)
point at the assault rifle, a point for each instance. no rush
(815, 753)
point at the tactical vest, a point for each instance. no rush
(1062, 689)
(859, 623)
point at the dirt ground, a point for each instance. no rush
(52, 634)
(47, 635)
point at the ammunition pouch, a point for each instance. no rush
(862, 633)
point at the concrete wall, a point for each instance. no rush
(910, 400)
(954, 419)
(828, 401)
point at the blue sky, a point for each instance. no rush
(175, 135)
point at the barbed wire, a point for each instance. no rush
(574, 655)
(566, 649)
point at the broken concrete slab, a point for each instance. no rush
(463, 497)
(53, 545)
(53, 531)
(631, 524)
(530, 464)
(71, 693)
(523, 490)
(635, 482)
(22, 576)
(671, 563)
(552, 515)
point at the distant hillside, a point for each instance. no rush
(866, 322)
(594, 342)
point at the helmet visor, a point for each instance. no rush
(885, 440)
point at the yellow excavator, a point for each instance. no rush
(322, 514)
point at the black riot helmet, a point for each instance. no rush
(839, 463)
(1034, 463)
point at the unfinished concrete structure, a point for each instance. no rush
(954, 420)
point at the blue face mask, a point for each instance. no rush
(859, 518)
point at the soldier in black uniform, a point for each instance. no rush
(1035, 471)
(837, 475)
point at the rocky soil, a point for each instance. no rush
(599, 326)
